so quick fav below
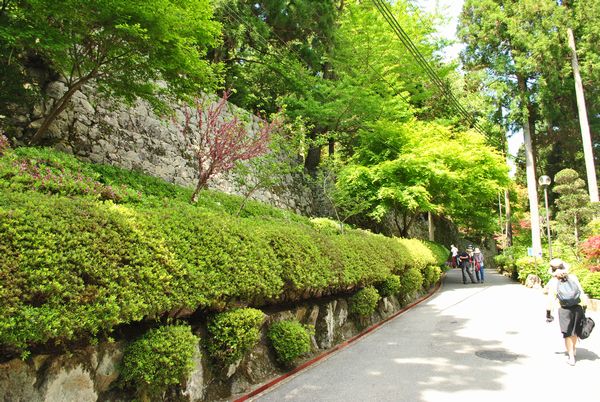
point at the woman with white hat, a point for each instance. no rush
(478, 261)
(565, 288)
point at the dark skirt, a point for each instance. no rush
(568, 317)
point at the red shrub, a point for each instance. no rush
(591, 248)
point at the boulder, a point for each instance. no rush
(533, 281)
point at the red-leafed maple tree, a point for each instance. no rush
(220, 139)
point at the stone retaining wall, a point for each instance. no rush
(135, 138)
(91, 374)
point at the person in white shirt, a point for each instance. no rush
(454, 251)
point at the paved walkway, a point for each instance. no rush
(477, 342)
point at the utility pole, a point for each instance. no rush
(430, 226)
(583, 122)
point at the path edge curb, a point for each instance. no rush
(340, 346)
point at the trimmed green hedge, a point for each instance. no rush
(74, 264)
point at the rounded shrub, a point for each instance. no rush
(290, 339)
(431, 274)
(162, 357)
(233, 333)
(364, 302)
(530, 265)
(440, 253)
(412, 282)
(390, 286)
(419, 254)
(591, 285)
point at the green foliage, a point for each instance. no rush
(390, 286)
(52, 173)
(431, 274)
(272, 169)
(233, 333)
(160, 358)
(403, 170)
(73, 266)
(126, 47)
(325, 225)
(534, 266)
(574, 207)
(439, 251)
(290, 339)
(591, 285)
(364, 302)
(412, 282)
(419, 254)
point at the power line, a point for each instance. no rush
(402, 36)
(383, 8)
(239, 18)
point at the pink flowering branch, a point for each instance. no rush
(222, 139)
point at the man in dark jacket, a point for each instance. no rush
(466, 266)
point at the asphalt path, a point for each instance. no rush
(476, 342)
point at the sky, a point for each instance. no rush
(452, 9)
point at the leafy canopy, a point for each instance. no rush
(130, 48)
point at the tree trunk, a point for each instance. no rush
(246, 198)
(430, 226)
(313, 158)
(507, 211)
(588, 151)
(536, 241)
(201, 185)
(331, 146)
(57, 109)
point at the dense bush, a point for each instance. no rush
(290, 339)
(73, 266)
(233, 333)
(54, 173)
(590, 248)
(431, 274)
(160, 358)
(590, 281)
(591, 285)
(364, 302)
(534, 266)
(440, 253)
(326, 225)
(506, 263)
(390, 286)
(412, 282)
(419, 254)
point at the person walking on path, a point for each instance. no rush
(478, 262)
(465, 263)
(454, 251)
(565, 288)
